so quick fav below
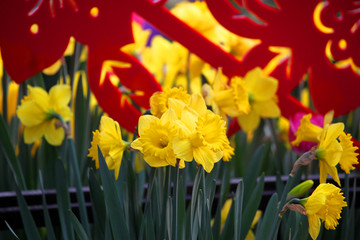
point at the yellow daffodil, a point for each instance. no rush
(348, 156)
(41, 113)
(156, 138)
(227, 100)
(325, 204)
(307, 131)
(202, 134)
(110, 143)
(159, 100)
(329, 151)
(262, 97)
(334, 146)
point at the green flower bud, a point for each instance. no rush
(300, 190)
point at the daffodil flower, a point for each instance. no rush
(227, 100)
(159, 100)
(202, 135)
(262, 97)
(333, 145)
(41, 113)
(325, 204)
(156, 138)
(329, 151)
(110, 143)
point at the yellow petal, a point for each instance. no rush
(330, 133)
(144, 123)
(262, 87)
(328, 117)
(168, 116)
(314, 226)
(206, 157)
(93, 150)
(30, 114)
(197, 103)
(155, 161)
(53, 135)
(249, 122)
(348, 156)
(177, 105)
(137, 144)
(40, 97)
(31, 134)
(267, 109)
(183, 149)
(189, 118)
(60, 95)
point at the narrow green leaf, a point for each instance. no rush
(98, 203)
(63, 200)
(11, 230)
(149, 229)
(49, 227)
(269, 217)
(9, 152)
(181, 210)
(113, 205)
(227, 231)
(28, 221)
(194, 196)
(238, 209)
(253, 170)
(78, 186)
(79, 230)
(175, 205)
(251, 207)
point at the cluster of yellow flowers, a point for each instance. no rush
(249, 98)
(181, 129)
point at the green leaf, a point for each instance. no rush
(49, 227)
(251, 207)
(28, 221)
(228, 228)
(9, 153)
(78, 185)
(269, 217)
(113, 205)
(194, 196)
(82, 125)
(253, 170)
(79, 230)
(98, 203)
(63, 200)
(238, 209)
(11, 230)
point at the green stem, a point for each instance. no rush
(176, 204)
